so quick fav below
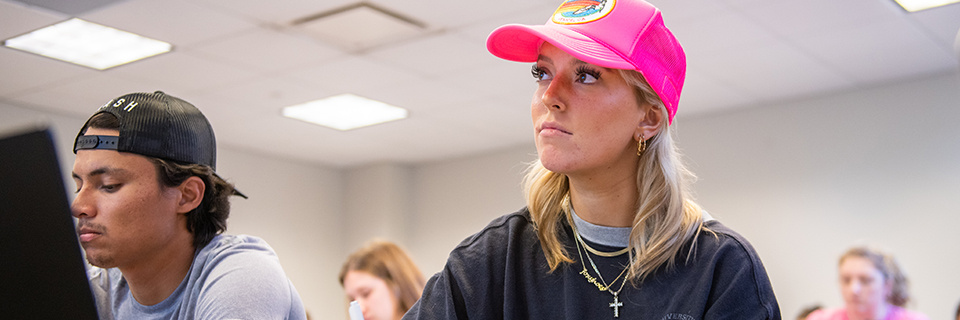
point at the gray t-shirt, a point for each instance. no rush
(232, 277)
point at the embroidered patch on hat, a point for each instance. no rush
(582, 11)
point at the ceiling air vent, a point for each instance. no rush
(360, 26)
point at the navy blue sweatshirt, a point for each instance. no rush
(501, 273)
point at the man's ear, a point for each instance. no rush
(649, 126)
(191, 194)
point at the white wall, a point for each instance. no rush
(296, 208)
(457, 198)
(378, 204)
(802, 181)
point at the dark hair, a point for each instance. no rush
(210, 217)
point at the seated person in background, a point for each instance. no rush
(150, 211)
(873, 288)
(383, 279)
(807, 311)
(958, 312)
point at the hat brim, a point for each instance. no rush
(521, 43)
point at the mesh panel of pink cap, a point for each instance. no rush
(660, 53)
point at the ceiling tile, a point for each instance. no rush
(444, 134)
(84, 95)
(16, 19)
(505, 118)
(722, 30)
(350, 72)
(493, 78)
(421, 95)
(451, 14)
(260, 97)
(792, 18)
(770, 71)
(183, 72)
(280, 14)
(268, 50)
(943, 22)
(478, 31)
(22, 71)
(688, 10)
(72, 7)
(879, 52)
(703, 95)
(179, 22)
(435, 55)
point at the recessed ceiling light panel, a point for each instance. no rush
(345, 112)
(88, 44)
(917, 5)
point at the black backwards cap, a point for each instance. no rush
(156, 125)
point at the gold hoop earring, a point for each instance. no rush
(641, 145)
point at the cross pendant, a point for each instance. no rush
(616, 304)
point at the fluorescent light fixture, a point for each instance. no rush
(345, 112)
(917, 5)
(88, 44)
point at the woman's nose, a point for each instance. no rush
(553, 97)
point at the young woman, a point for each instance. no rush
(610, 230)
(382, 279)
(873, 288)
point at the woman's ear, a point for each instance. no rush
(191, 194)
(651, 122)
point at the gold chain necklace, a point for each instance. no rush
(595, 251)
(616, 304)
(606, 254)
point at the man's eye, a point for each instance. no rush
(110, 187)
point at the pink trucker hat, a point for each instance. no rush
(618, 34)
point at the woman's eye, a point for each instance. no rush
(539, 73)
(587, 75)
(586, 78)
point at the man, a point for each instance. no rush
(150, 211)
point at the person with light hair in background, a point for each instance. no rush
(958, 306)
(873, 288)
(610, 229)
(383, 279)
(807, 311)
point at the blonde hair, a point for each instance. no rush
(389, 262)
(888, 267)
(666, 219)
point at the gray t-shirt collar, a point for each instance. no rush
(609, 236)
